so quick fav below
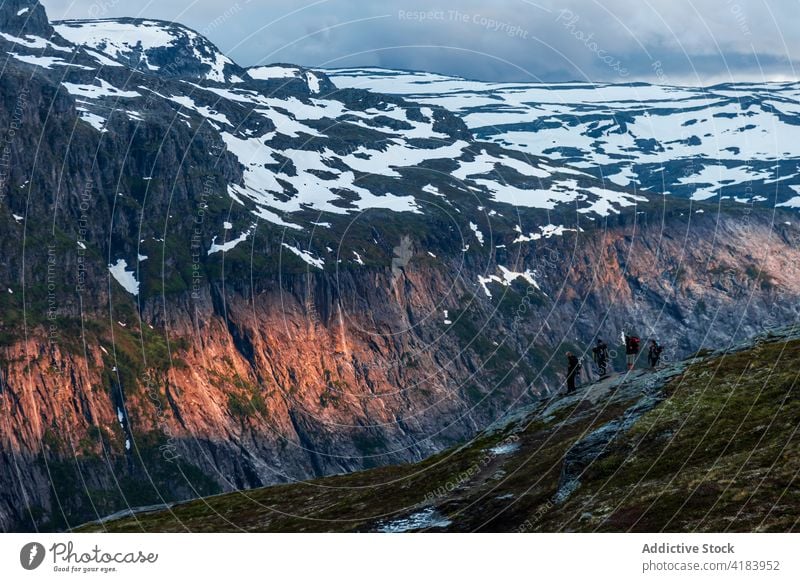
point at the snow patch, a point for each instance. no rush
(34, 42)
(92, 119)
(793, 202)
(313, 82)
(207, 112)
(47, 62)
(228, 245)
(505, 278)
(546, 232)
(105, 89)
(273, 72)
(431, 189)
(478, 233)
(125, 278)
(306, 256)
(102, 59)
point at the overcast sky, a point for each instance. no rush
(693, 42)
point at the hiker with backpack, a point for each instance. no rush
(573, 368)
(654, 353)
(600, 356)
(632, 345)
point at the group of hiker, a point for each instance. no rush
(601, 357)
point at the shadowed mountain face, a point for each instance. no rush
(706, 444)
(216, 278)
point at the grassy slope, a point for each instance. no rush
(719, 451)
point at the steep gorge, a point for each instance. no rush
(324, 373)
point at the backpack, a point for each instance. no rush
(635, 344)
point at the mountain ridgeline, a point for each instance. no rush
(217, 278)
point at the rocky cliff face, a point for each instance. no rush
(215, 284)
(677, 450)
(20, 17)
(317, 374)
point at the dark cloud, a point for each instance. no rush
(681, 41)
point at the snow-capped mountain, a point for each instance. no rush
(736, 140)
(303, 144)
(152, 45)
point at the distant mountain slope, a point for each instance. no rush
(167, 48)
(736, 140)
(303, 144)
(708, 444)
